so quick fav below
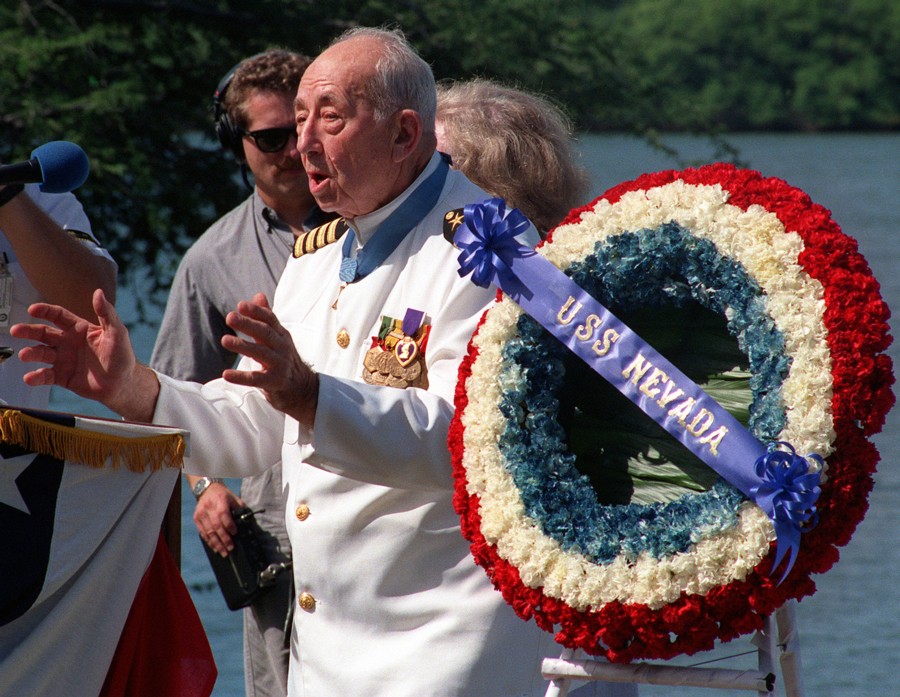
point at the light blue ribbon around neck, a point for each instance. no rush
(394, 228)
(782, 483)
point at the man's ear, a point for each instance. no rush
(407, 134)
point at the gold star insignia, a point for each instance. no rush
(454, 219)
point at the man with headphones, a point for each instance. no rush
(241, 254)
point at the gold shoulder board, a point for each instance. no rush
(318, 237)
(452, 220)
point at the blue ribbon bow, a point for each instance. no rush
(787, 493)
(488, 245)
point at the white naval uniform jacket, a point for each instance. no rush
(394, 602)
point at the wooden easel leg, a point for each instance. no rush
(789, 646)
(765, 645)
(559, 687)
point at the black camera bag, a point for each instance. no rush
(245, 573)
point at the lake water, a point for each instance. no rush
(850, 629)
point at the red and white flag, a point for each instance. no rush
(81, 503)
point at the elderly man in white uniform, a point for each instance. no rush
(390, 602)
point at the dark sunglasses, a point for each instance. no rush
(270, 139)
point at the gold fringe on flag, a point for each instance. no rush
(84, 447)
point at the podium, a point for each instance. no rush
(89, 597)
(93, 441)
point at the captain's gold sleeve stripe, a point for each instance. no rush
(319, 237)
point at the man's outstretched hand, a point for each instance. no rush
(95, 361)
(287, 382)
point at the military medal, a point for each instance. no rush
(347, 274)
(406, 349)
(397, 356)
(391, 232)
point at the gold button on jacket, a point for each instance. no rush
(302, 512)
(307, 602)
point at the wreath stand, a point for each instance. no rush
(563, 670)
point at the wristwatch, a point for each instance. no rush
(202, 485)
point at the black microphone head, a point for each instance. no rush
(64, 166)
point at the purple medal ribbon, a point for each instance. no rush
(780, 483)
(412, 320)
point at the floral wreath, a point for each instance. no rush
(652, 581)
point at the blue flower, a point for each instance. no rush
(653, 268)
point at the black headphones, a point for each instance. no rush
(228, 134)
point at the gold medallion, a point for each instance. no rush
(382, 367)
(383, 361)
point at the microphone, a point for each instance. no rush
(59, 166)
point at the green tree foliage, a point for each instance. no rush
(132, 88)
(131, 81)
(767, 64)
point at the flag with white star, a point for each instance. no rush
(77, 541)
